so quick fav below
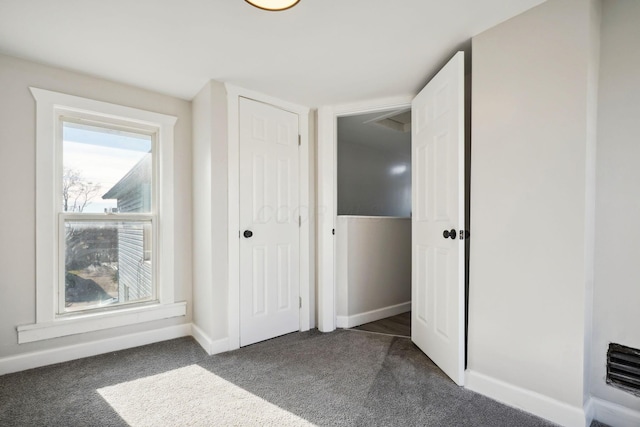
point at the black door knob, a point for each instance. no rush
(247, 233)
(449, 234)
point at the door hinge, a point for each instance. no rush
(299, 221)
(300, 301)
(299, 140)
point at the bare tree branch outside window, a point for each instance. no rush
(76, 192)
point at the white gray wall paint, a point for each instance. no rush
(374, 179)
(374, 266)
(617, 278)
(593, 69)
(210, 210)
(17, 186)
(529, 201)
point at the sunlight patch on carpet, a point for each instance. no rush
(192, 396)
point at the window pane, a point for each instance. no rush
(106, 263)
(105, 169)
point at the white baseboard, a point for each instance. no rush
(527, 400)
(589, 412)
(614, 414)
(201, 338)
(372, 316)
(210, 346)
(37, 359)
(220, 346)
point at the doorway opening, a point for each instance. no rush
(373, 224)
(439, 141)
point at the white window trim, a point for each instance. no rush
(48, 325)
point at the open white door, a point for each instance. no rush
(269, 217)
(437, 152)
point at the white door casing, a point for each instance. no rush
(438, 267)
(327, 196)
(269, 210)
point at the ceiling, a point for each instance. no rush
(318, 53)
(365, 129)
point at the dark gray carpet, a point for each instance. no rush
(344, 378)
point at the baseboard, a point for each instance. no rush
(527, 400)
(210, 346)
(341, 322)
(589, 412)
(37, 359)
(201, 338)
(372, 316)
(613, 414)
(220, 346)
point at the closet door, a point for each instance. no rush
(269, 221)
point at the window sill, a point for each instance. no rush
(84, 323)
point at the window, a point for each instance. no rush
(104, 217)
(107, 258)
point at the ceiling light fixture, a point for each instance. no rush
(273, 5)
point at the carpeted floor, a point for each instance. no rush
(344, 378)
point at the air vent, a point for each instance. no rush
(623, 368)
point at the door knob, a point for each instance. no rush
(247, 233)
(449, 234)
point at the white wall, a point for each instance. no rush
(374, 181)
(373, 268)
(210, 213)
(531, 206)
(617, 277)
(17, 187)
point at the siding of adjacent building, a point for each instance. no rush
(134, 271)
(133, 193)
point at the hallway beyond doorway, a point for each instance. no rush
(399, 325)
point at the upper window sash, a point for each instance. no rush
(123, 144)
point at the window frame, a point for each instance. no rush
(48, 323)
(64, 116)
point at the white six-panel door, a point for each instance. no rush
(437, 152)
(270, 232)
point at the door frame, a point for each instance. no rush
(307, 208)
(328, 196)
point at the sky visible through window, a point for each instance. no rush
(96, 159)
